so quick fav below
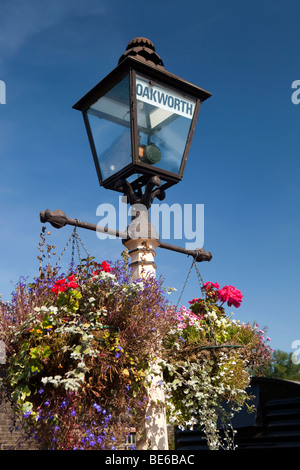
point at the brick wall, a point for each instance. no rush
(10, 440)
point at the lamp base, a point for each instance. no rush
(145, 199)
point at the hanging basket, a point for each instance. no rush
(104, 333)
(216, 345)
(194, 348)
(220, 346)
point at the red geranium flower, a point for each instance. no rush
(211, 285)
(194, 301)
(61, 285)
(231, 295)
(72, 284)
(104, 266)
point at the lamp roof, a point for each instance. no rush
(144, 50)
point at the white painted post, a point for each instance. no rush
(141, 246)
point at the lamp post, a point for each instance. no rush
(140, 120)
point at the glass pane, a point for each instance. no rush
(164, 121)
(109, 120)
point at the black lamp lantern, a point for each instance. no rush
(140, 120)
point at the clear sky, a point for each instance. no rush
(244, 160)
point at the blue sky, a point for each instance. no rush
(244, 160)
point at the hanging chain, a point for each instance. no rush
(63, 251)
(199, 277)
(202, 291)
(73, 248)
(184, 285)
(76, 242)
(187, 278)
(205, 305)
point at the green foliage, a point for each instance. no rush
(283, 367)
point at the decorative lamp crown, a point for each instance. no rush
(143, 49)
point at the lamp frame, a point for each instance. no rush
(132, 66)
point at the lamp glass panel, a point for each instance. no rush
(109, 120)
(164, 121)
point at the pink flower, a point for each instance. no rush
(211, 285)
(231, 295)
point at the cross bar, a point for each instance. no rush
(59, 219)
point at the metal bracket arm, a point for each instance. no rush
(199, 254)
(59, 219)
